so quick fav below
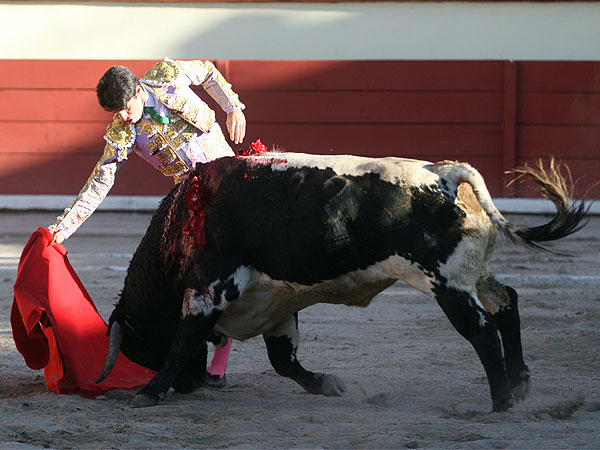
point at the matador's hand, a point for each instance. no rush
(59, 238)
(236, 126)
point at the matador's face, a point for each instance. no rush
(134, 107)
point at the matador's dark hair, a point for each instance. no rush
(116, 88)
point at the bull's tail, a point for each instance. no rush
(570, 215)
(114, 345)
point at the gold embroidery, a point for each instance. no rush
(178, 124)
(188, 134)
(163, 71)
(158, 143)
(166, 157)
(182, 128)
(153, 147)
(145, 127)
(193, 113)
(91, 195)
(199, 115)
(177, 168)
(174, 138)
(179, 104)
(178, 141)
(109, 153)
(119, 132)
(221, 81)
(164, 147)
(171, 132)
(162, 95)
(205, 122)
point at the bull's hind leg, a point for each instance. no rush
(501, 302)
(476, 325)
(200, 313)
(282, 344)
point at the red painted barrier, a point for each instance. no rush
(493, 114)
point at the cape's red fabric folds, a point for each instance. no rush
(56, 326)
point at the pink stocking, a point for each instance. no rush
(219, 361)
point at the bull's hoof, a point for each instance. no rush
(521, 390)
(186, 383)
(143, 401)
(521, 385)
(330, 385)
(503, 406)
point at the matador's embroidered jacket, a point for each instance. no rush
(190, 137)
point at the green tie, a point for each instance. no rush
(156, 116)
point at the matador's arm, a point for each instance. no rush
(205, 74)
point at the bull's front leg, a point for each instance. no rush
(200, 312)
(282, 344)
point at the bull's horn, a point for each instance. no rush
(114, 345)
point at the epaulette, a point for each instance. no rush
(120, 134)
(163, 72)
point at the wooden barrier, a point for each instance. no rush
(492, 114)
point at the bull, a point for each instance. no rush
(244, 243)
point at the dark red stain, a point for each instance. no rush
(201, 192)
(196, 199)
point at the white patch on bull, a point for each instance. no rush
(403, 269)
(241, 278)
(482, 319)
(466, 265)
(394, 170)
(288, 329)
(195, 303)
(266, 302)
(453, 173)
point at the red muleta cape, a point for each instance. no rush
(56, 326)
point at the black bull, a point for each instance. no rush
(244, 243)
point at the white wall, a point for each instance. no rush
(380, 30)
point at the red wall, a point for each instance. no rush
(493, 114)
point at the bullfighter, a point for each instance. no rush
(161, 119)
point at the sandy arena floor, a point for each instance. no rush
(413, 382)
